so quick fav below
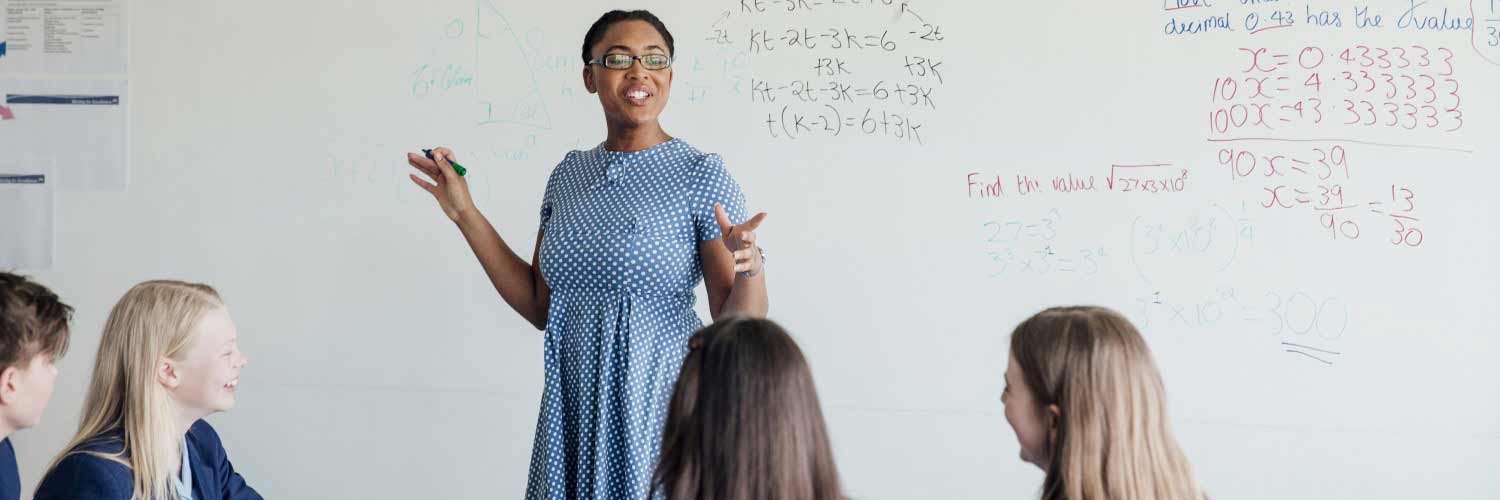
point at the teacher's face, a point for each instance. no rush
(635, 96)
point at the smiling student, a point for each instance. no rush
(33, 336)
(168, 358)
(1088, 406)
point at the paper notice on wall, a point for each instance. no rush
(62, 37)
(27, 218)
(80, 124)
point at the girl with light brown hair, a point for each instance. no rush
(1088, 406)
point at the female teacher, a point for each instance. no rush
(628, 228)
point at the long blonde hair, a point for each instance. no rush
(154, 320)
(1113, 440)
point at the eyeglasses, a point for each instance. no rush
(625, 61)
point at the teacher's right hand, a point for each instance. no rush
(451, 190)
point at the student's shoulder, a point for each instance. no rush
(85, 475)
(87, 461)
(202, 431)
(204, 439)
(10, 477)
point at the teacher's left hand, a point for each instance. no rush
(740, 240)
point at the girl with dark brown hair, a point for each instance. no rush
(744, 422)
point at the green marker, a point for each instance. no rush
(456, 167)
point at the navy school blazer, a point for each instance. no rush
(10, 477)
(86, 477)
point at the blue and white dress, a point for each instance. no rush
(620, 253)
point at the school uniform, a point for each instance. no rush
(208, 475)
(10, 477)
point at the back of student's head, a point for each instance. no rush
(1112, 439)
(744, 422)
(155, 320)
(33, 334)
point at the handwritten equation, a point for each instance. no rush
(1410, 87)
(1029, 246)
(1305, 325)
(880, 92)
(878, 72)
(1312, 179)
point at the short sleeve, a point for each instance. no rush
(550, 193)
(712, 184)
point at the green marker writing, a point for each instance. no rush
(456, 167)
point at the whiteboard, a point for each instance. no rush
(1317, 288)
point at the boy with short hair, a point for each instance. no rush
(33, 336)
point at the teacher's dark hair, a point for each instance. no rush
(744, 422)
(617, 16)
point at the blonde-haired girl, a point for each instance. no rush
(1088, 406)
(167, 359)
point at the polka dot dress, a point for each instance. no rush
(620, 253)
